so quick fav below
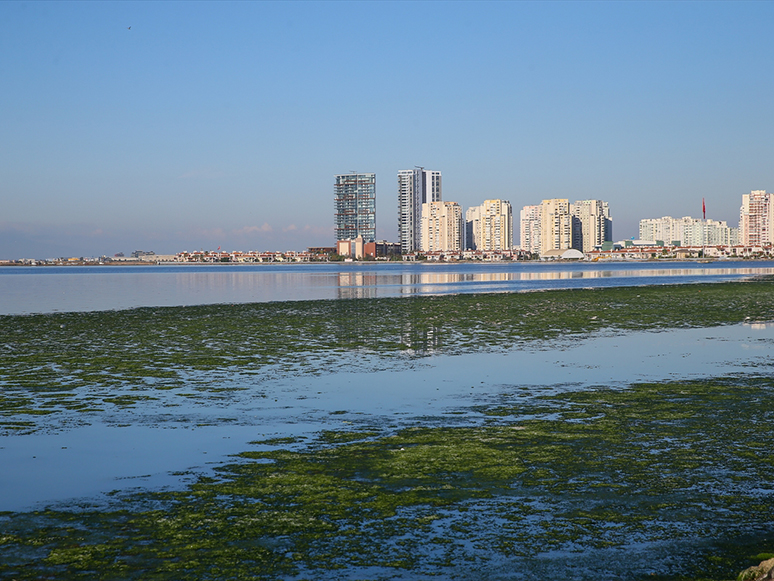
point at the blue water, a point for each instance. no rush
(26, 290)
(145, 445)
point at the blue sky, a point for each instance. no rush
(223, 124)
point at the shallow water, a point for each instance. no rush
(87, 454)
(97, 288)
(499, 437)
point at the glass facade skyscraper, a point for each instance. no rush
(415, 187)
(355, 206)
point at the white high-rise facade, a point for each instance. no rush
(490, 226)
(653, 229)
(555, 225)
(441, 227)
(592, 224)
(529, 229)
(687, 231)
(756, 219)
(415, 188)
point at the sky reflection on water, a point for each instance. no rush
(143, 446)
(61, 289)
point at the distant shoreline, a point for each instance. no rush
(4, 263)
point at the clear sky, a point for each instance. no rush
(223, 124)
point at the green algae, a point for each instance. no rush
(615, 474)
(601, 472)
(110, 356)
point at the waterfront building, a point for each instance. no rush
(351, 247)
(687, 231)
(756, 218)
(592, 224)
(415, 187)
(381, 249)
(355, 206)
(555, 225)
(472, 224)
(441, 227)
(657, 229)
(489, 226)
(719, 233)
(529, 229)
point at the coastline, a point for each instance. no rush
(11, 263)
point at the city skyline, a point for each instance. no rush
(183, 126)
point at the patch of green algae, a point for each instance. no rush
(630, 483)
(92, 362)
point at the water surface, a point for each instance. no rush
(144, 446)
(98, 288)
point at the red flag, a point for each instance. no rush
(703, 209)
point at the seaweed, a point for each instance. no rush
(667, 480)
(675, 476)
(54, 361)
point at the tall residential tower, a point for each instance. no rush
(441, 226)
(555, 225)
(355, 206)
(415, 187)
(490, 226)
(529, 224)
(756, 219)
(593, 224)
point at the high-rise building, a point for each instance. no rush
(415, 187)
(719, 233)
(355, 206)
(555, 225)
(529, 229)
(489, 226)
(653, 229)
(592, 224)
(687, 231)
(472, 225)
(441, 227)
(756, 219)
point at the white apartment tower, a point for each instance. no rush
(415, 188)
(555, 225)
(593, 224)
(529, 224)
(687, 231)
(490, 226)
(441, 227)
(756, 219)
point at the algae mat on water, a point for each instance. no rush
(664, 480)
(667, 480)
(90, 363)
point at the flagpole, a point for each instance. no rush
(703, 230)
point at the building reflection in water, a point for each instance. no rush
(358, 285)
(357, 329)
(421, 336)
(355, 285)
(760, 325)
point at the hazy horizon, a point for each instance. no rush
(180, 126)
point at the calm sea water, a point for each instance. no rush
(26, 290)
